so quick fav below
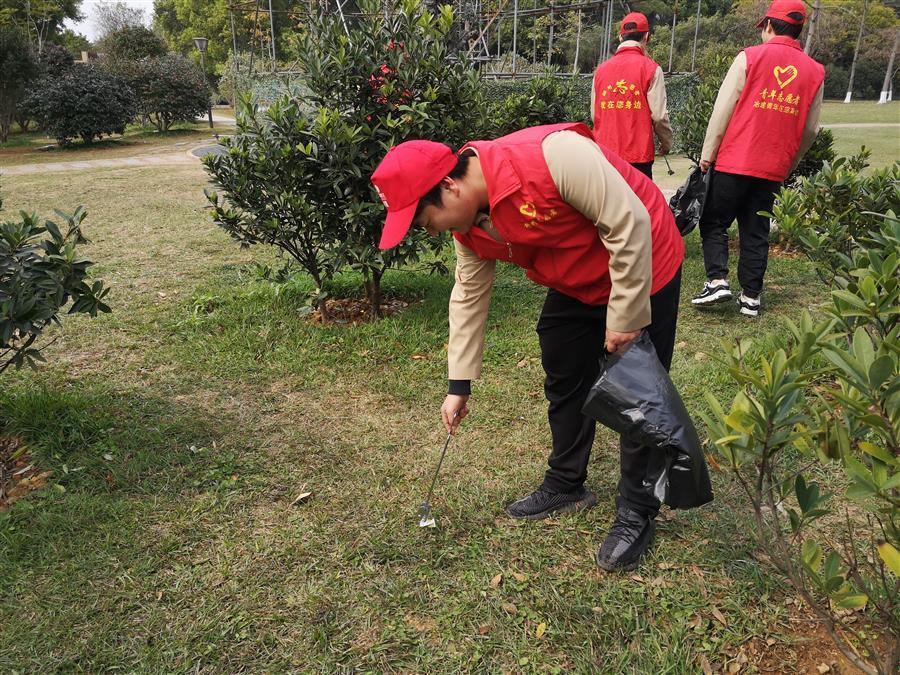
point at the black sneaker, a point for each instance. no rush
(713, 293)
(748, 306)
(542, 503)
(628, 539)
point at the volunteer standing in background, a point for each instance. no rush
(628, 99)
(765, 118)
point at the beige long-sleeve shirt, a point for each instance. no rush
(586, 180)
(656, 99)
(727, 99)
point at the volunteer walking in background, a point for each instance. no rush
(628, 99)
(765, 118)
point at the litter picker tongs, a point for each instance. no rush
(426, 519)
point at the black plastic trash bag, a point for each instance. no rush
(635, 397)
(688, 200)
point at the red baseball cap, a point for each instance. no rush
(781, 9)
(640, 22)
(405, 175)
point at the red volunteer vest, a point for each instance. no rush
(622, 120)
(553, 242)
(764, 133)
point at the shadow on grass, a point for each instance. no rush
(107, 450)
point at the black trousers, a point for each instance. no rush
(732, 196)
(645, 168)
(571, 336)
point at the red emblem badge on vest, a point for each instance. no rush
(529, 210)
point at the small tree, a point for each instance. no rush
(85, 103)
(114, 17)
(41, 274)
(53, 62)
(132, 43)
(18, 68)
(389, 80)
(270, 192)
(168, 89)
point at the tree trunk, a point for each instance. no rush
(862, 24)
(372, 284)
(321, 298)
(812, 26)
(886, 86)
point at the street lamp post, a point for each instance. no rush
(200, 43)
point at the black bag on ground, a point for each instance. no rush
(688, 200)
(635, 397)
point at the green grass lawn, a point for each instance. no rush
(857, 112)
(181, 427)
(36, 148)
(884, 142)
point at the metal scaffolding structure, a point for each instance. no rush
(488, 31)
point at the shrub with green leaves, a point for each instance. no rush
(19, 67)
(167, 89)
(41, 274)
(545, 99)
(828, 214)
(133, 43)
(300, 179)
(828, 404)
(85, 102)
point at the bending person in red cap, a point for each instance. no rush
(765, 118)
(593, 230)
(628, 99)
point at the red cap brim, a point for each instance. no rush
(396, 225)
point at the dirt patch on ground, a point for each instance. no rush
(782, 251)
(808, 649)
(19, 475)
(354, 311)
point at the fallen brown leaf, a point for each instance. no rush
(719, 616)
(509, 608)
(301, 498)
(495, 581)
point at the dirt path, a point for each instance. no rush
(112, 163)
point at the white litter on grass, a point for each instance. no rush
(427, 522)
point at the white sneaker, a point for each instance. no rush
(713, 293)
(748, 306)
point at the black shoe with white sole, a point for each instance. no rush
(543, 503)
(748, 306)
(628, 539)
(713, 293)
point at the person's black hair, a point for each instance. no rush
(433, 196)
(790, 30)
(632, 34)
